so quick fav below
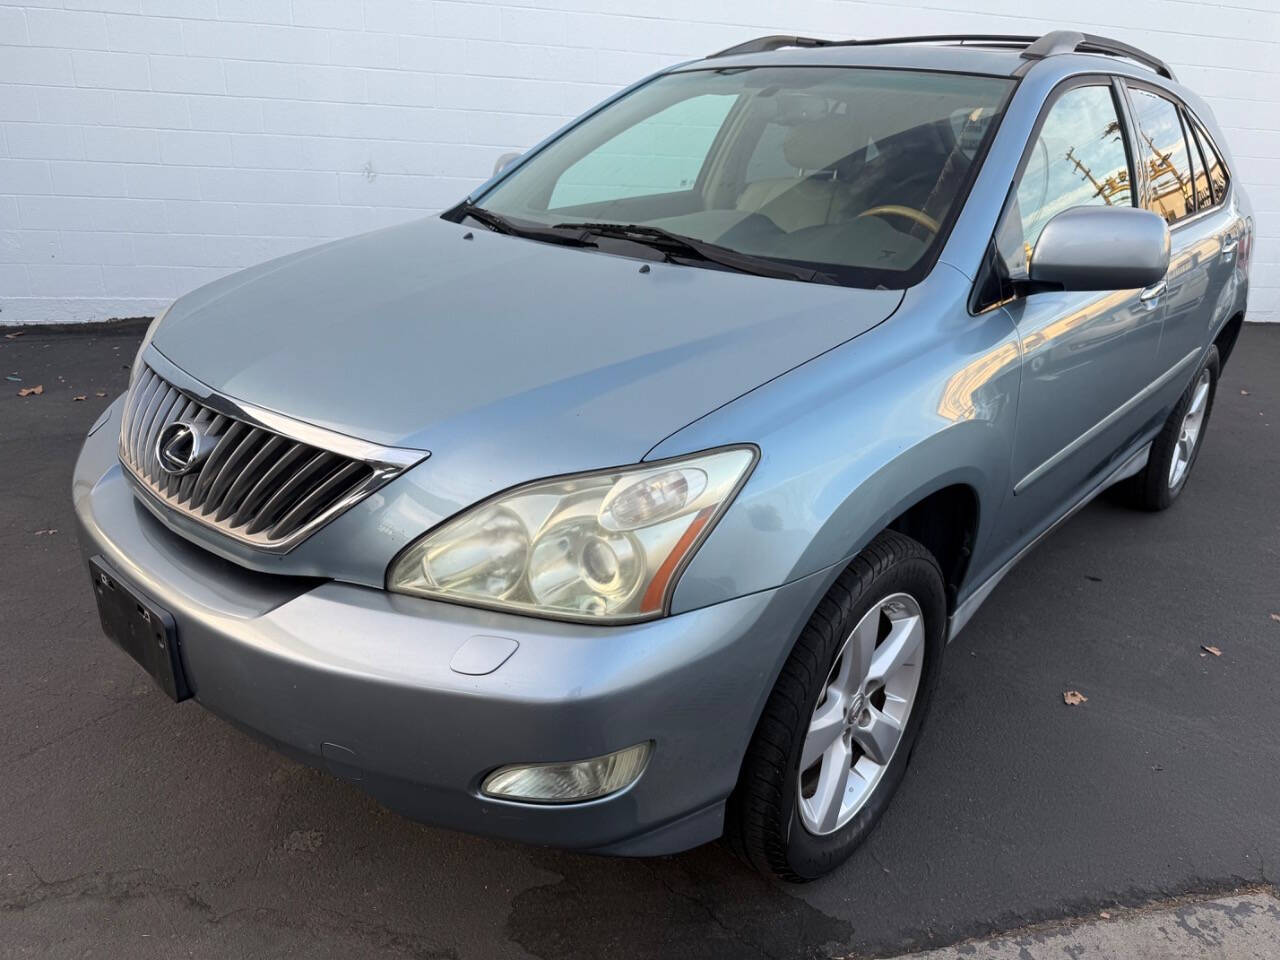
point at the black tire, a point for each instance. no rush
(1150, 490)
(762, 821)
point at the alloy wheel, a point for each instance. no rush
(1189, 432)
(860, 719)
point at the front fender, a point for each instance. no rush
(853, 438)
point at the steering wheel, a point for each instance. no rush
(897, 210)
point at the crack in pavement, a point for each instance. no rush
(59, 738)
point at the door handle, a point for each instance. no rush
(1229, 247)
(1154, 292)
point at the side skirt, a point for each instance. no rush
(1130, 467)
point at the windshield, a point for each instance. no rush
(854, 172)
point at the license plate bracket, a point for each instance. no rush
(140, 628)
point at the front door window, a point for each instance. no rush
(1079, 158)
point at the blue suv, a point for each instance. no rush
(633, 500)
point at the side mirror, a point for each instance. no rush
(1101, 248)
(504, 161)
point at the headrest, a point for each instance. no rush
(817, 144)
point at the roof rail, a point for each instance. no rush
(1069, 41)
(1001, 39)
(1036, 48)
(774, 42)
(778, 41)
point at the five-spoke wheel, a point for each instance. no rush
(1175, 449)
(835, 736)
(1189, 432)
(858, 724)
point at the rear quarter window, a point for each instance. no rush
(1219, 179)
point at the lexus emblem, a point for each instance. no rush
(182, 446)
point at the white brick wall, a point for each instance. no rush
(148, 146)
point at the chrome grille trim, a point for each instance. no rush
(269, 482)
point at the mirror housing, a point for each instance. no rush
(505, 161)
(1100, 248)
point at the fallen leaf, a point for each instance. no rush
(1214, 650)
(77, 398)
(49, 532)
(1073, 698)
(15, 335)
(28, 391)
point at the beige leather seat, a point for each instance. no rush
(807, 201)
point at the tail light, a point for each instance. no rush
(1246, 246)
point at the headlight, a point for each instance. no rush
(597, 547)
(146, 342)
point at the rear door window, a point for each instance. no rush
(1165, 153)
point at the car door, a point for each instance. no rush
(1187, 185)
(1085, 355)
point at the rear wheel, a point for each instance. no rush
(836, 734)
(1175, 449)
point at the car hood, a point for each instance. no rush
(432, 336)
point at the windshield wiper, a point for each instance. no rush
(680, 245)
(495, 222)
(500, 224)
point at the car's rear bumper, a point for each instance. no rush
(359, 680)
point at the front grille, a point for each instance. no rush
(256, 485)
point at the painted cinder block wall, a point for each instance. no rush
(148, 146)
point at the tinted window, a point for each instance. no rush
(1218, 177)
(1079, 158)
(855, 172)
(1164, 150)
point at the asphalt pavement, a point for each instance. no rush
(132, 827)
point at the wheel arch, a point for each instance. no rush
(945, 522)
(944, 513)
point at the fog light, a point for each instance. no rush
(568, 782)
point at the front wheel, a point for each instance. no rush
(837, 731)
(1175, 449)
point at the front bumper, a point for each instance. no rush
(359, 681)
